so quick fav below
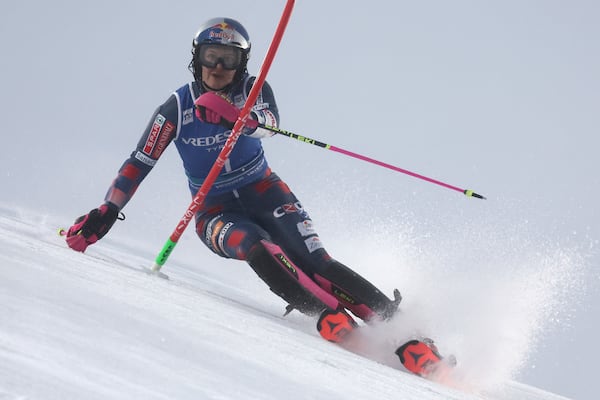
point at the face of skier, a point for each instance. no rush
(219, 64)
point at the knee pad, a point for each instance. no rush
(230, 235)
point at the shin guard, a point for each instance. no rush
(356, 293)
(288, 281)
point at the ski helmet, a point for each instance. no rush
(224, 32)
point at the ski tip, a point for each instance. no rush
(470, 193)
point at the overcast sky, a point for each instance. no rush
(498, 97)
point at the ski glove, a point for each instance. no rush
(89, 228)
(216, 109)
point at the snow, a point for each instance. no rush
(98, 326)
(499, 98)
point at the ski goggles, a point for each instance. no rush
(212, 55)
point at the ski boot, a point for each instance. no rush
(421, 357)
(335, 325)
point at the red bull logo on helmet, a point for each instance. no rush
(222, 31)
(223, 25)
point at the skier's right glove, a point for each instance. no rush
(89, 228)
(213, 108)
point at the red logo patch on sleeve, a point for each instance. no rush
(163, 139)
(157, 125)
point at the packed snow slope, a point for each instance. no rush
(97, 326)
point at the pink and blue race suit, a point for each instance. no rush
(250, 213)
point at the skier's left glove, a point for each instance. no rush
(216, 109)
(90, 228)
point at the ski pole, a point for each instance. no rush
(308, 140)
(229, 144)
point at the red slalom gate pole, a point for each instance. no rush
(214, 172)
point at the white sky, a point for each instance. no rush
(498, 97)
